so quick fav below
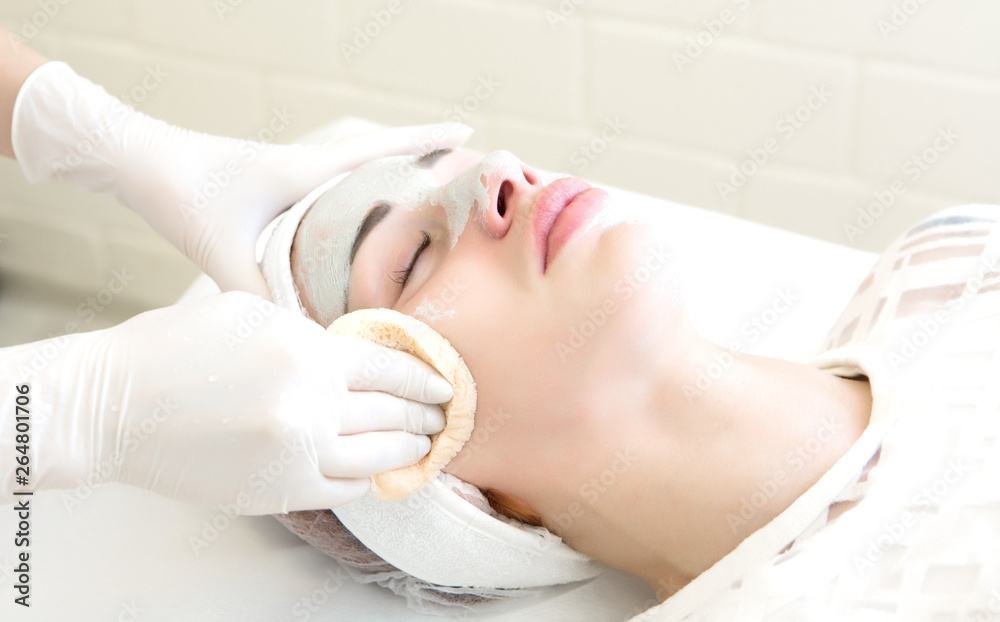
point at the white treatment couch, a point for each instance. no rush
(125, 554)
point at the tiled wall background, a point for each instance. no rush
(839, 102)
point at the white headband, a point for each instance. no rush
(274, 248)
(437, 534)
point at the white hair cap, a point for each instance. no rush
(439, 536)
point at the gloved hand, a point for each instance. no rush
(209, 196)
(228, 399)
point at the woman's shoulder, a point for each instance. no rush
(925, 270)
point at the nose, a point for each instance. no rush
(510, 185)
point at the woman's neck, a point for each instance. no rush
(696, 456)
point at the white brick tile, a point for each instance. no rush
(31, 17)
(100, 16)
(50, 201)
(11, 179)
(293, 37)
(19, 8)
(160, 272)
(846, 25)
(675, 174)
(558, 14)
(834, 209)
(44, 41)
(904, 111)
(316, 103)
(958, 33)
(117, 66)
(732, 97)
(539, 144)
(486, 137)
(77, 252)
(220, 99)
(449, 50)
(35, 309)
(195, 94)
(697, 14)
(32, 311)
(66, 252)
(805, 203)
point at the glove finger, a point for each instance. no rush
(332, 492)
(322, 494)
(227, 253)
(373, 411)
(377, 368)
(349, 153)
(369, 453)
(303, 167)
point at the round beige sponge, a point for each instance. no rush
(395, 330)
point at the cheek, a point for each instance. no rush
(526, 393)
(538, 355)
(618, 292)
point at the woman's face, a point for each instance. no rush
(548, 317)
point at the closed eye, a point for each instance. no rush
(403, 275)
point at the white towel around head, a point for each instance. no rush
(440, 537)
(274, 248)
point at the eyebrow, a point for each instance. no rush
(430, 158)
(375, 215)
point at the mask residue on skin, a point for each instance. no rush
(429, 312)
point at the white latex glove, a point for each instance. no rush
(209, 196)
(228, 399)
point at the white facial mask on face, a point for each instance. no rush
(274, 249)
(469, 193)
(326, 232)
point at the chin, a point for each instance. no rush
(639, 289)
(633, 261)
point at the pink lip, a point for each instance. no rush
(559, 211)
